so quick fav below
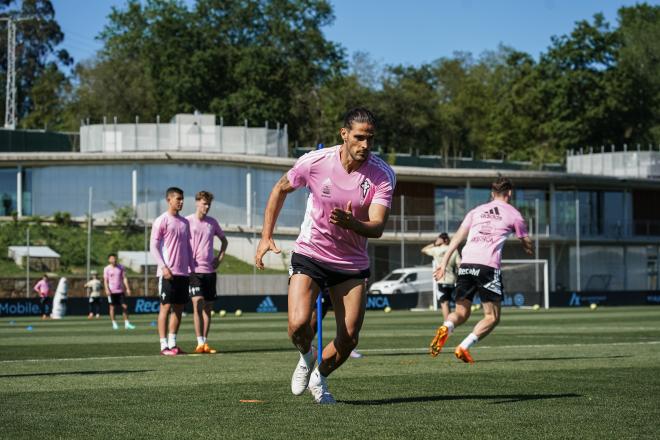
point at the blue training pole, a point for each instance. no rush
(319, 315)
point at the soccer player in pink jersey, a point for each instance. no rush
(486, 228)
(170, 246)
(44, 290)
(116, 286)
(350, 193)
(203, 228)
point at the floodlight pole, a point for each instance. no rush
(10, 93)
(27, 263)
(89, 233)
(146, 244)
(577, 242)
(403, 232)
(536, 240)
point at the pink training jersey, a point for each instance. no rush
(331, 186)
(43, 288)
(489, 225)
(201, 242)
(114, 275)
(170, 244)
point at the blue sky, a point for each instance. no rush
(398, 32)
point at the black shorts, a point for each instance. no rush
(203, 284)
(476, 278)
(319, 272)
(445, 292)
(174, 290)
(116, 299)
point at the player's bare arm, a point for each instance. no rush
(372, 228)
(527, 245)
(273, 208)
(456, 241)
(127, 286)
(221, 255)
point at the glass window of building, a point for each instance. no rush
(524, 200)
(8, 190)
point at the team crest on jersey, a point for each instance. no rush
(326, 188)
(365, 185)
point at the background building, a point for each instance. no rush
(612, 220)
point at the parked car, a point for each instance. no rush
(406, 280)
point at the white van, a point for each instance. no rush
(406, 280)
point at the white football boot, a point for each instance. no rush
(300, 378)
(318, 385)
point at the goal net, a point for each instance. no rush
(525, 284)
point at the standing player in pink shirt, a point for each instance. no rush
(170, 246)
(203, 229)
(486, 228)
(116, 286)
(350, 193)
(43, 289)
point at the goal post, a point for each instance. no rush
(526, 282)
(527, 277)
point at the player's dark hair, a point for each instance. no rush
(204, 195)
(173, 190)
(45, 276)
(112, 255)
(360, 115)
(502, 185)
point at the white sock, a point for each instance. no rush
(114, 322)
(171, 340)
(205, 339)
(200, 340)
(469, 341)
(163, 344)
(450, 326)
(127, 323)
(308, 358)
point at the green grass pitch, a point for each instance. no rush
(541, 374)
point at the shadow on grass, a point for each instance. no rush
(74, 373)
(499, 398)
(566, 358)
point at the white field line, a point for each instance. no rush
(366, 350)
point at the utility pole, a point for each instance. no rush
(10, 103)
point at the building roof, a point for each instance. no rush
(35, 252)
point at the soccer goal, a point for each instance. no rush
(525, 282)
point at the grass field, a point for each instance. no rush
(547, 374)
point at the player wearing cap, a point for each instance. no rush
(446, 285)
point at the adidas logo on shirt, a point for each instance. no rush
(493, 213)
(267, 306)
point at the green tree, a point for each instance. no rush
(256, 59)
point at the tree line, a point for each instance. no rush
(268, 60)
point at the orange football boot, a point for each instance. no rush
(463, 354)
(209, 350)
(439, 340)
(199, 349)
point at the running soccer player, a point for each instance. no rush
(116, 287)
(170, 246)
(94, 288)
(204, 264)
(486, 228)
(44, 290)
(447, 284)
(349, 201)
